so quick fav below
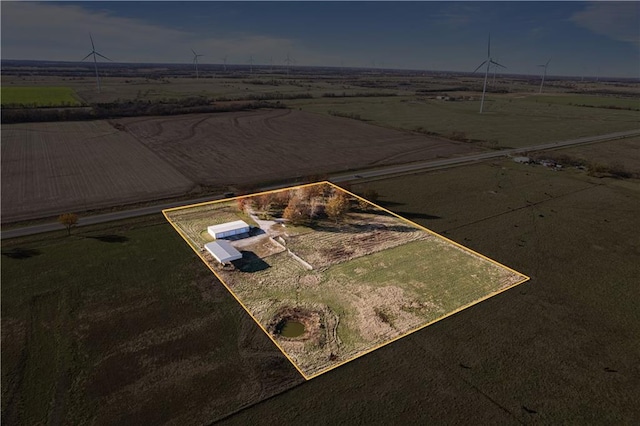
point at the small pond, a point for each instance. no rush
(290, 328)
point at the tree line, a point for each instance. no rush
(119, 109)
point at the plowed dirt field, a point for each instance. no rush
(51, 168)
(252, 147)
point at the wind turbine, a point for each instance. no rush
(288, 62)
(95, 61)
(544, 74)
(224, 61)
(251, 64)
(488, 61)
(195, 61)
(495, 69)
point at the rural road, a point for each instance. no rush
(336, 178)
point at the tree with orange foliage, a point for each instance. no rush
(337, 206)
(68, 220)
(294, 213)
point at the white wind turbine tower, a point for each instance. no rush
(95, 61)
(195, 61)
(544, 74)
(251, 64)
(488, 61)
(288, 62)
(224, 62)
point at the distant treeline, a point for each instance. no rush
(357, 95)
(264, 97)
(624, 108)
(128, 109)
(444, 90)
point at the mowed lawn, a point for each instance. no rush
(39, 96)
(125, 326)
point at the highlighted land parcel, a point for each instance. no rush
(330, 276)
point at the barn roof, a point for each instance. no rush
(229, 226)
(223, 251)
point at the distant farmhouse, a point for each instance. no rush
(228, 229)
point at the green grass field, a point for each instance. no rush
(508, 121)
(590, 101)
(39, 96)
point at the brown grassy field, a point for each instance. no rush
(251, 147)
(371, 277)
(52, 168)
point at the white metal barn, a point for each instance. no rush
(223, 251)
(228, 229)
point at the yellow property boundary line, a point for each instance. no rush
(466, 249)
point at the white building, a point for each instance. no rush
(223, 251)
(228, 229)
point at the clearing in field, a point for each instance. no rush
(329, 276)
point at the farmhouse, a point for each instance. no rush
(228, 229)
(223, 251)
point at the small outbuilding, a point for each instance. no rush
(223, 251)
(228, 229)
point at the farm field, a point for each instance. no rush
(144, 89)
(257, 147)
(122, 324)
(560, 348)
(53, 168)
(513, 120)
(38, 96)
(353, 285)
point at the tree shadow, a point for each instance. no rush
(387, 204)
(111, 238)
(409, 215)
(359, 228)
(21, 253)
(250, 262)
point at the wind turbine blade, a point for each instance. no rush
(92, 46)
(489, 47)
(87, 56)
(547, 64)
(102, 56)
(497, 64)
(194, 52)
(479, 66)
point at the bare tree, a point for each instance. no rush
(68, 220)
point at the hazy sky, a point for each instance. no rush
(581, 38)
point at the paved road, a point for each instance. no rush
(337, 178)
